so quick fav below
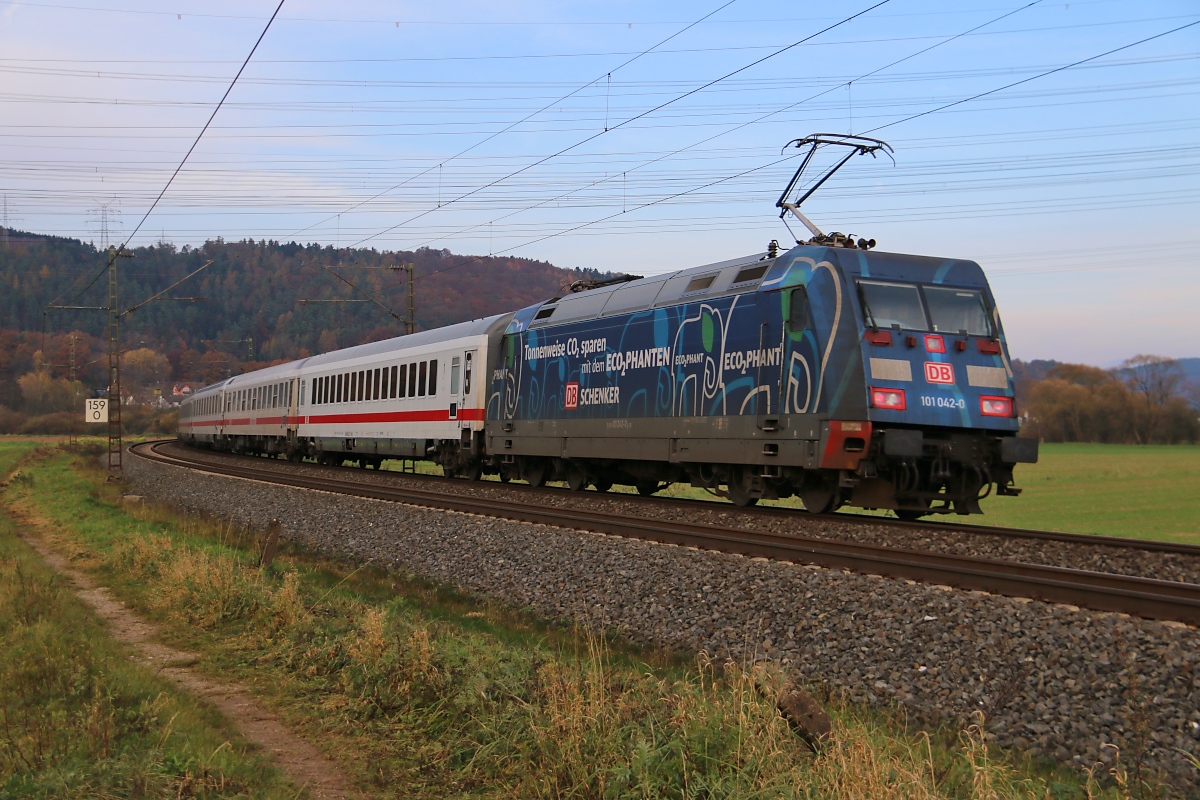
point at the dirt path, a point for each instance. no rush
(303, 763)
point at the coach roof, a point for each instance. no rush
(478, 327)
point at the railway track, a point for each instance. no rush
(1144, 597)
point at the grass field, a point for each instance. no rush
(420, 693)
(1145, 492)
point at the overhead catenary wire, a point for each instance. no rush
(117, 252)
(1034, 77)
(931, 111)
(786, 108)
(531, 115)
(637, 117)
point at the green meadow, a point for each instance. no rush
(1144, 492)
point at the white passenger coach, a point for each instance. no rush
(419, 396)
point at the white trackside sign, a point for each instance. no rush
(95, 410)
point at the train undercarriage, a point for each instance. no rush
(912, 472)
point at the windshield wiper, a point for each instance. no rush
(862, 298)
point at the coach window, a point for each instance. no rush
(361, 386)
(402, 382)
(412, 380)
(454, 367)
(392, 385)
(424, 377)
(375, 384)
(335, 389)
(433, 377)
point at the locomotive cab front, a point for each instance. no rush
(937, 392)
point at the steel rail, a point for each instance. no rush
(838, 517)
(1144, 597)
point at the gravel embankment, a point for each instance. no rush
(1051, 679)
(1098, 557)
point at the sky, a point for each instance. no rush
(637, 137)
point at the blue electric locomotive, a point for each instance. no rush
(841, 375)
(832, 372)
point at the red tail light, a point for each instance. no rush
(891, 399)
(997, 407)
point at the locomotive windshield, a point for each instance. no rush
(957, 311)
(893, 304)
(900, 305)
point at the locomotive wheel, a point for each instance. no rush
(818, 498)
(602, 485)
(576, 478)
(473, 472)
(737, 492)
(534, 472)
(646, 488)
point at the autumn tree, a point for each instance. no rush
(45, 394)
(1154, 381)
(144, 369)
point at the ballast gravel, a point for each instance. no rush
(1096, 556)
(1076, 686)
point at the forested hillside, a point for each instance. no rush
(248, 312)
(252, 289)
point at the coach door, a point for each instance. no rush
(290, 399)
(466, 397)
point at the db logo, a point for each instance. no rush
(936, 372)
(571, 397)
